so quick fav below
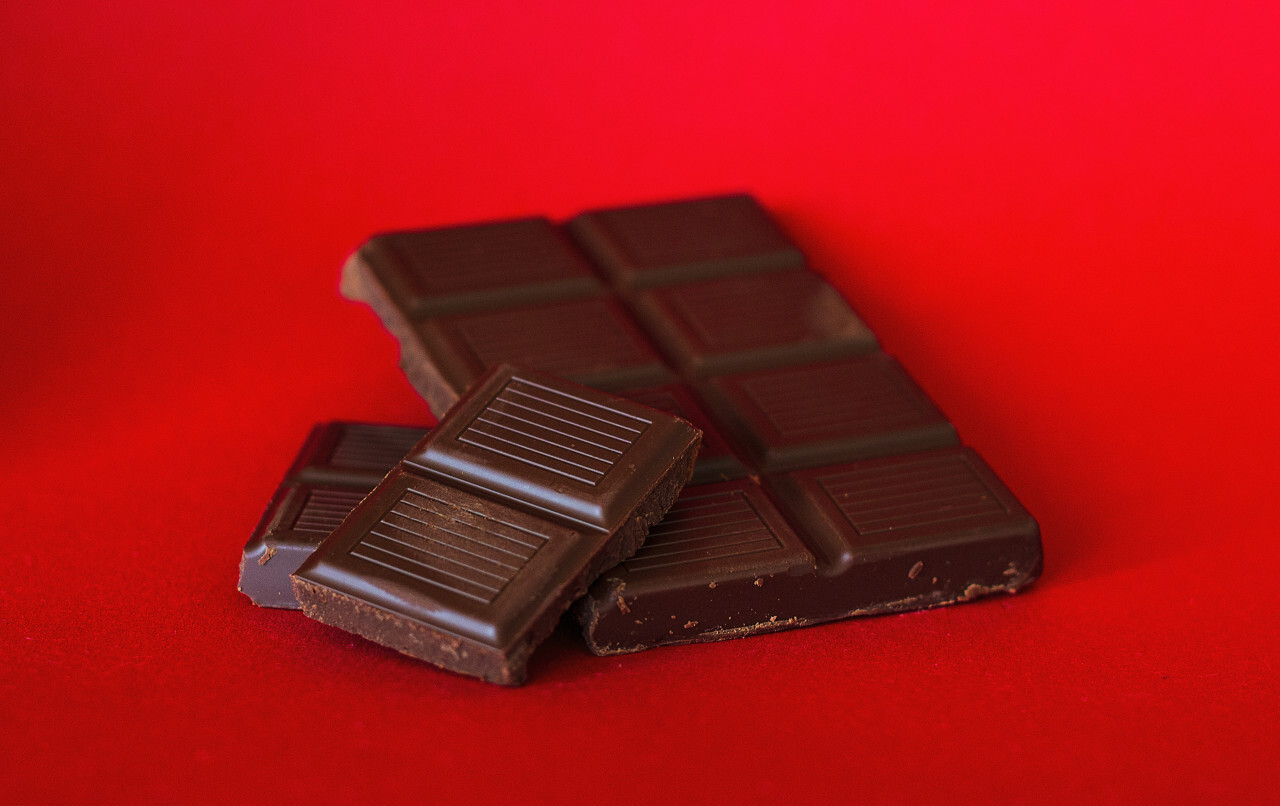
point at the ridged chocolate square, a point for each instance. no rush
(733, 324)
(355, 453)
(713, 528)
(469, 551)
(799, 416)
(653, 244)
(335, 469)
(437, 271)
(591, 341)
(716, 556)
(557, 447)
(419, 552)
(905, 506)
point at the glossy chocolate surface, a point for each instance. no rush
(707, 305)
(471, 548)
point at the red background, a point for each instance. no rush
(1062, 220)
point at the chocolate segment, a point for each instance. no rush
(423, 283)
(758, 320)
(431, 272)
(590, 341)
(688, 240)
(472, 547)
(857, 408)
(336, 468)
(892, 534)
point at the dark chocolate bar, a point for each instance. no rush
(337, 467)
(706, 305)
(480, 538)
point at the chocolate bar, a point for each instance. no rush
(336, 468)
(471, 548)
(830, 484)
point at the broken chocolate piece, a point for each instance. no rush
(337, 467)
(469, 551)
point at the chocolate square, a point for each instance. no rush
(733, 324)
(837, 411)
(652, 244)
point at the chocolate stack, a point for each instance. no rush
(828, 484)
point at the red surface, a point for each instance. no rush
(1062, 220)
